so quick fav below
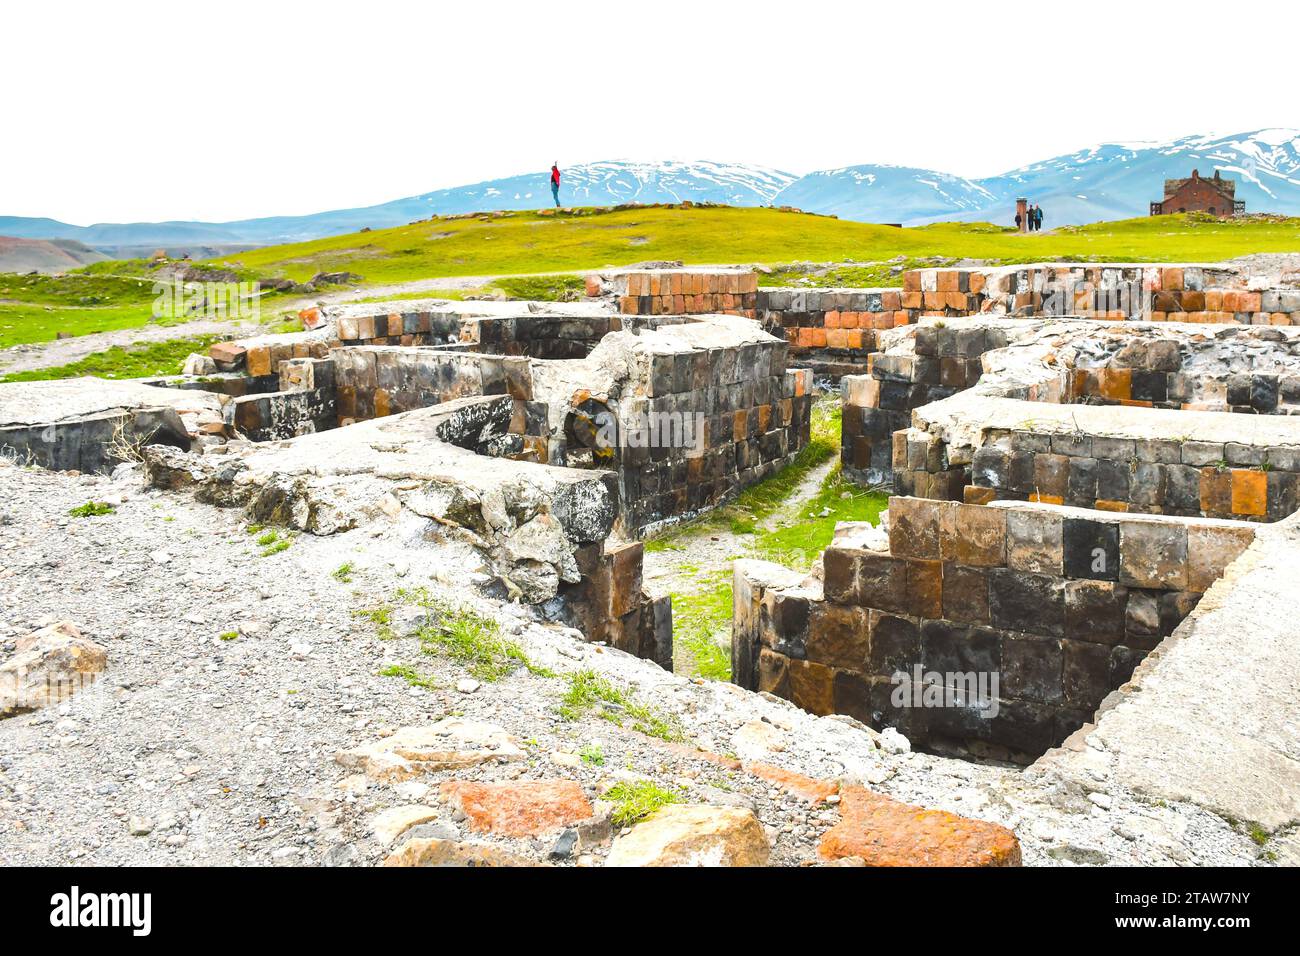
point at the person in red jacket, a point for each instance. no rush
(555, 182)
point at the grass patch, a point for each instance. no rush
(869, 275)
(593, 754)
(381, 617)
(799, 541)
(412, 677)
(343, 572)
(590, 238)
(589, 693)
(698, 618)
(91, 509)
(633, 802)
(469, 638)
(229, 636)
(134, 361)
(561, 288)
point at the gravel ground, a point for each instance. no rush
(221, 751)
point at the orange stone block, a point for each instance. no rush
(818, 338)
(885, 832)
(890, 301)
(258, 361)
(976, 282)
(518, 808)
(913, 300)
(1115, 383)
(1047, 499)
(1172, 280)
(946, 280)
(975, 495)
(912, 280)
(1105, 505)
(832, 320)
(1249, 492)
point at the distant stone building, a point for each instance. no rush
(1216, 196)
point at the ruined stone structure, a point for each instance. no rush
(1216, 195)
(1078, 453)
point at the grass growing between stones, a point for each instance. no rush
(468, 638)
(136, 361)
(699, 617)
(589, 693)
(760, 501)
(799, 541)
(636, 800)
(867, 275)
(552, 288)
(409, 674)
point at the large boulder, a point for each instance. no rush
(693, 835)
(50, 665)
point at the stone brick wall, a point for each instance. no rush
(943, 361)
(1156, 293)
(1152, 475)
(679, 291)
(1060, 603)
(280, 415)
(833, 331)
(755, 416)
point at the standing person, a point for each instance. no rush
(1038, 218)
(1018, 220)
(555, 182)
(1030, 214)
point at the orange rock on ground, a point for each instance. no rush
(885, 832)
(806, 788)
(519, 808)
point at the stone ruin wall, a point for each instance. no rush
(1013, 588)
(1100, 452)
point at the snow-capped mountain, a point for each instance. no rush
(1120, 180)
(1106, 181)
(594, 184)
(885, 194)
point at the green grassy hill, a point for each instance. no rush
(537, 245)
(525, 242)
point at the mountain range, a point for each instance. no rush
(1106, 181)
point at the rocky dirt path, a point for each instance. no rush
(37, 355)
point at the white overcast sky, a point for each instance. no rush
(132, 111)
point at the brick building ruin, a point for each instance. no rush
(1216, 196)
(1078, 455)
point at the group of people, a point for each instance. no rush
(1033, 218)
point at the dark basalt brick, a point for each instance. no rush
(895, 644)
(1113, 479)
(1091, 549)
(1032, 603)
(954, 648)
(1094, 611)
(1031, 667)
(965, 593)
(1085, 677)
(1081, 488)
